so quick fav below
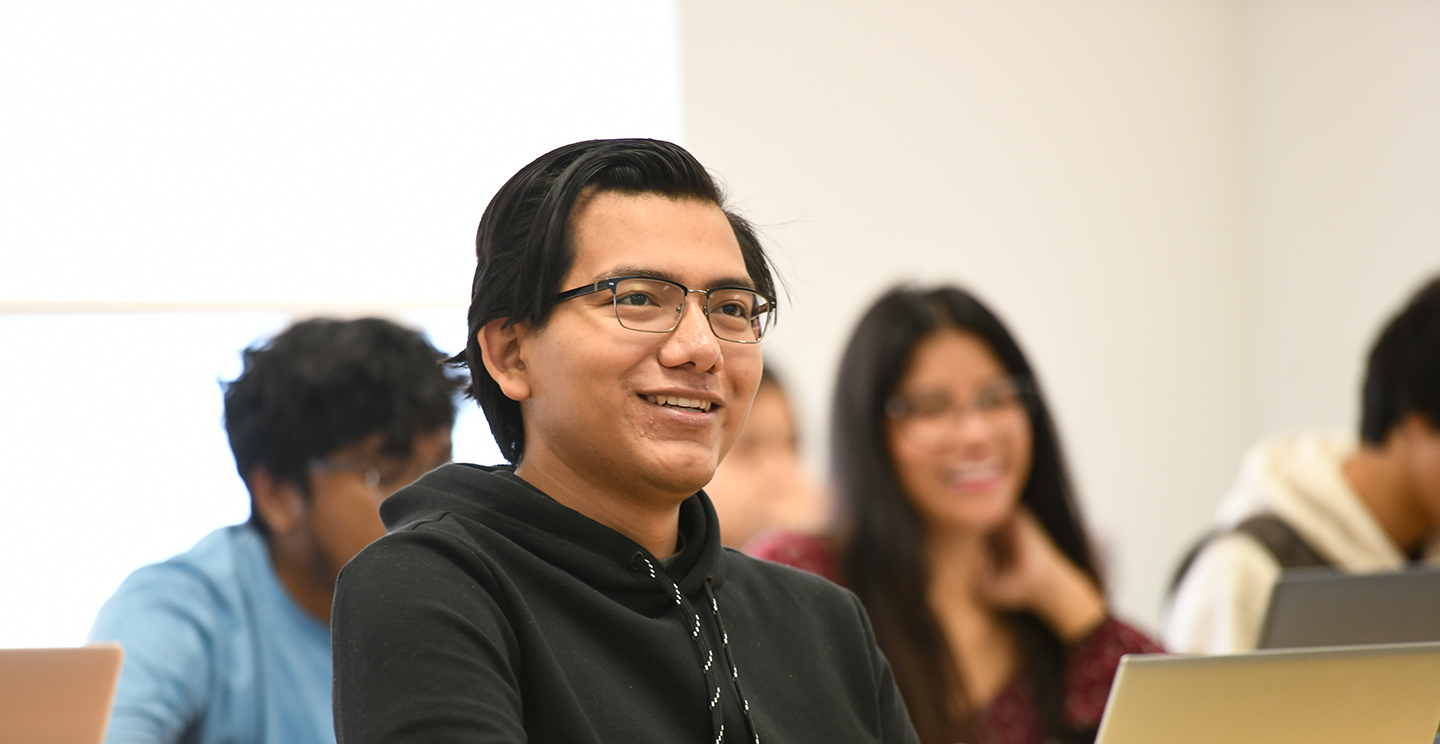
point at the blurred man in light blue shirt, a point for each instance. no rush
(230, 641)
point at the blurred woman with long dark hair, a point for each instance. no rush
(957, 527)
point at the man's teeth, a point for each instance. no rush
(670, 400)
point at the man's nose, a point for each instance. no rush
(693, 341)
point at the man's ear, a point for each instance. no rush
(280, 503)
(500, 349)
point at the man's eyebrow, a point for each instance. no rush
(624, 270)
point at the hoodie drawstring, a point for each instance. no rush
(730, 659)
(706, 655)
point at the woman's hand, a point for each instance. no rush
(1023, 570)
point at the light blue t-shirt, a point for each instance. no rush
(217, 651)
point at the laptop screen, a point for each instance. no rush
(1339, 695)
(1310, 607)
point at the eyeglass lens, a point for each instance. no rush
(655, 306)
(387, 475)
(927, 420)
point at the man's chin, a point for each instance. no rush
(682, 478)
(687, 486)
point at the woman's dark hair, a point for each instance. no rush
(881, 556)
(523, 247)
(325, 384)
(1402, 375)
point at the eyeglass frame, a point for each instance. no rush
(380, 476)
(611, 283)
(1025, 393)
(371, 472)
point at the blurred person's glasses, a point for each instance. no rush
(737, 314)
(384, 477)
(927, 421)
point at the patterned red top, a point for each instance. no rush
(1013, 717)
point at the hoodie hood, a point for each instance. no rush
(490, 610)
(491, 504)
(494, 499)
(1298, 477)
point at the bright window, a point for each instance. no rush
(179, 180)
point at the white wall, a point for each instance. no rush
(1131, 184)
(1346, 143)
(282, 153)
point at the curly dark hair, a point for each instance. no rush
(325, 384)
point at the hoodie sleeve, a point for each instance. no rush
(1220, 604)
(421, 647)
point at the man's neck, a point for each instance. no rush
(653, 522)
(1376, 477)
(297, 578)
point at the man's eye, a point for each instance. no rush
(392, 475)
(735, 309)
(636, 299)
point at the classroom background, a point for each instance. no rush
(1194, 214)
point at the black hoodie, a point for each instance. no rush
(492, 613)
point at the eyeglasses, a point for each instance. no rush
(926, 421)
(385, 477)
(649, 305)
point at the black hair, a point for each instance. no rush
(324, 384)
(523, 246)
(880, 534)
(1402, 375)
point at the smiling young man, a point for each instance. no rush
(581, 594)
(229, 641)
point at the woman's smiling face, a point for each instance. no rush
(959, 434)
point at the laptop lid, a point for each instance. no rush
(1311, 607)
(1338, 695)
(57, 695)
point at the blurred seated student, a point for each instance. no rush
(761, 484)
(1320, 498)
(957, 527)
(230, 640)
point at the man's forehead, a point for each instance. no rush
(634, 269)
(688, 241)
(376, 445)
(370, 444)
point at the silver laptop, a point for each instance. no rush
(1310, 607)
(57, 695)
(1339, 695)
